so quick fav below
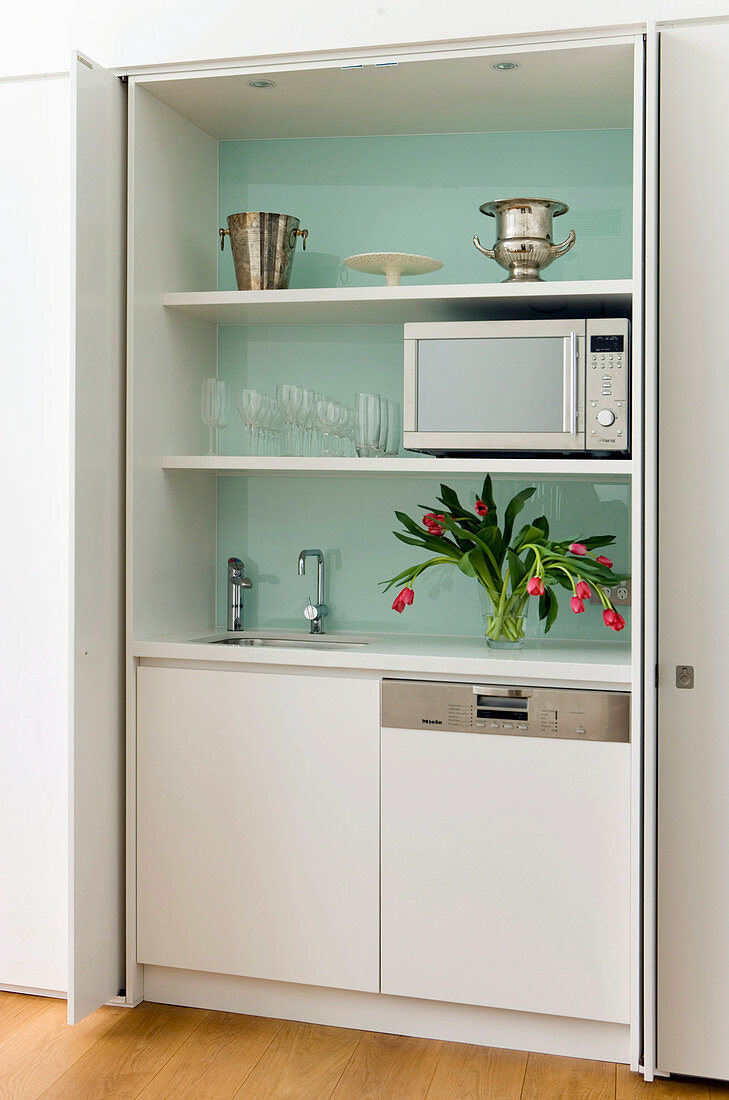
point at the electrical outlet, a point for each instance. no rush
(622, 593)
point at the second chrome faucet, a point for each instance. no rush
(315, 612)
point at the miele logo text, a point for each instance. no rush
(431, 721)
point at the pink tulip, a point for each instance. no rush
(577, 605)
(578, 548)
(480, 508)
(535, 586)
(434, 529)
(604, 561)
(612, 619)
(403, 599)
(583, 590)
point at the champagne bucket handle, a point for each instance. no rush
(303, 233)
(561, 249)
(223, 234)
(489, 251)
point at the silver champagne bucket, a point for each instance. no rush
(263, 248)
(524, 236)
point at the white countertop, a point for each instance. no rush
(570, 663)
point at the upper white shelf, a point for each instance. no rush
(381, 305)
(597, 469)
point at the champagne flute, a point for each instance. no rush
(215, 409)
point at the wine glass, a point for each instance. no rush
(249, 403)
(327, 418)
(289, 400)
(305, 419)
(215, 409)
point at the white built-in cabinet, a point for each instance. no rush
(258, 823)
(197, 888)
(170, 569)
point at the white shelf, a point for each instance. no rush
(250, 465)
(382, 305)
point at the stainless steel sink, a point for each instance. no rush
(312, 642)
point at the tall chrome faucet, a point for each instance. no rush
(237, 583)
(315, 612)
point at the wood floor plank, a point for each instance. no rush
(631, 1086)
(38, 1054)
(389, 1067)
(549, 1077)
(216, 1059)
(19, 1009)
(478, 1073)
(124, 1060)
(304, 1061)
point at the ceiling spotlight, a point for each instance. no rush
(506, 66)
(261, 83)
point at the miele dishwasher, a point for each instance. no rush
(505, 823)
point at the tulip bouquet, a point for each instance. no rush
(509, 568)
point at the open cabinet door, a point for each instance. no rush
(96, 785)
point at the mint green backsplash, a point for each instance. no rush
(268, 520)
(417, 194)
(421, 194)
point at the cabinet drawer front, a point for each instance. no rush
(505, 872)
(258, 825)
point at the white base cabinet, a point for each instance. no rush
(258, 825)
(506, 872)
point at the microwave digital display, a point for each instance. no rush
(606, 343)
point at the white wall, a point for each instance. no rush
(39, 37)
(34, 547)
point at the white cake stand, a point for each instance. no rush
(392, 265)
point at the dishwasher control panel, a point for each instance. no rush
(564, 713)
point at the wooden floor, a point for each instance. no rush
(159, 1051)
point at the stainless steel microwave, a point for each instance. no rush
(517, 386)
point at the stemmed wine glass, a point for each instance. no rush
(250, 404)
(215, 409)
(289, 400)
(305, 420)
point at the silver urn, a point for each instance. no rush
(524, 236)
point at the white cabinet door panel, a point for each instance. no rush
(505, 872)
(258, 825)
(693, 747)
(96, 794)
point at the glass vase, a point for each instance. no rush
(504, 621)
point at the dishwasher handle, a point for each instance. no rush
(505, 693)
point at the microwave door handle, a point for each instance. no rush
(569, 384)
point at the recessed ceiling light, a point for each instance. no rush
(261, 83)
(506, 66)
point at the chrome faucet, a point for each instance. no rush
(315, 612)
(237, 583)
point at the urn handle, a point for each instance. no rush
(489, 251)
(560, 249)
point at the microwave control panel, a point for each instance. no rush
(607, 384)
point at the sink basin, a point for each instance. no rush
(311, 642)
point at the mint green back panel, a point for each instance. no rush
(414, 194)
